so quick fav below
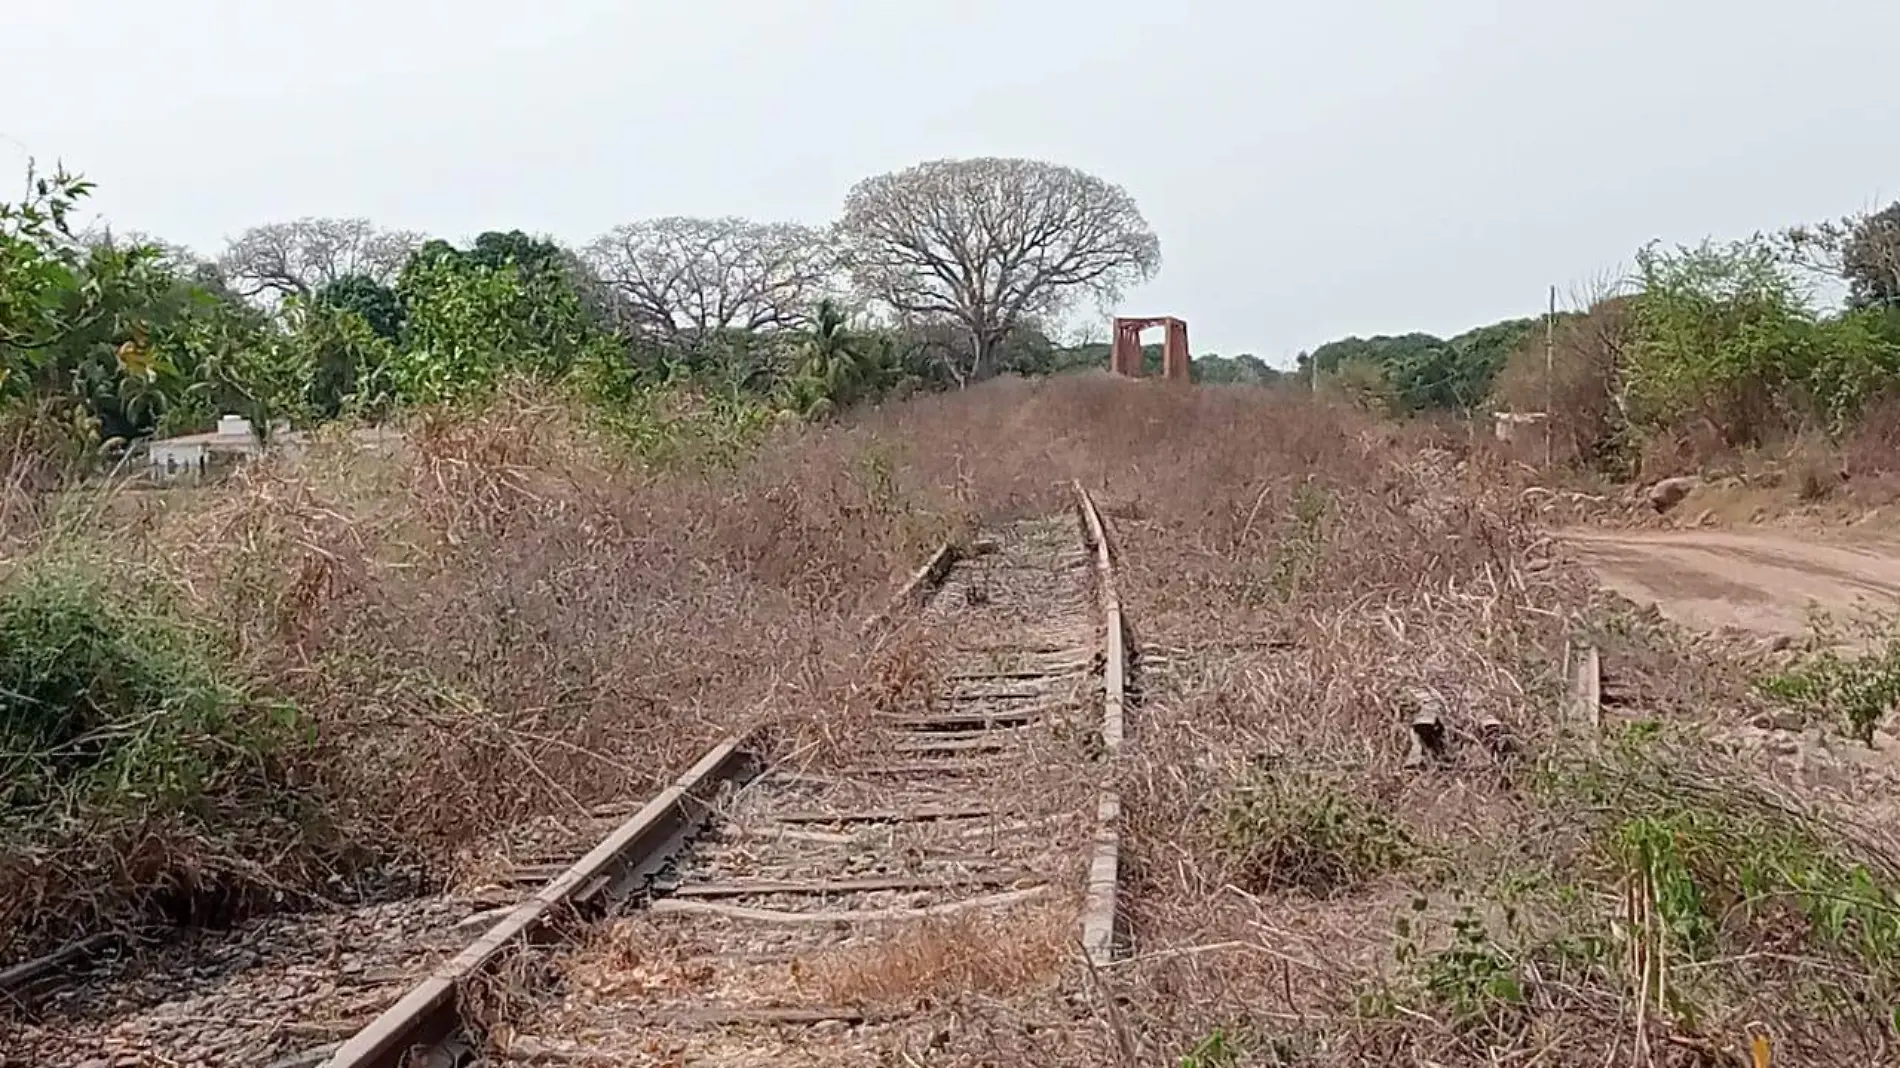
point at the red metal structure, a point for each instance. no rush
(1124, 357)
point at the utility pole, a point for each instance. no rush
(1550, 362)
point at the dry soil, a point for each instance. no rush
(1758, 580)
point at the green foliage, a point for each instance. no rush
(40, 269)
(1420, 372)
(64, 308)
(1721, 867)
(1283, 830)
(530, 255)
(1856, 690)
(343, 360)
(474, 318)
(1217, 1050)
(110, 692)
(1365, 385)
(1244, 369)
(219, 358)
(1707, 869)
(1478, 982)
(1725, 337)
(837, 366)
(378, 305)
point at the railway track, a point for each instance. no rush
(786, 904)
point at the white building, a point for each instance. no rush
(190, 457)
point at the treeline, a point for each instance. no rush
(934, 276)
(1704, 348)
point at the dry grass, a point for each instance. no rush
(939, 960)
(499, 621)
(1300, 897)
(508, 624)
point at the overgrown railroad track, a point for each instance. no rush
(779, 905)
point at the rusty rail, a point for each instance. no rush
(431, 1010)
(931, 573)
(1101, 909)
(615, 869)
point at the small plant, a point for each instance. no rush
(1704, 869)
(1217, 1050)
(1307, 834)
(1298, 544)
(1474, 977)
(1856, 690)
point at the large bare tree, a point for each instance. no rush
(684, 278)
(301, 257)
(989, 243)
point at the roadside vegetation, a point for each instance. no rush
(1663, 890)
(1710, 359)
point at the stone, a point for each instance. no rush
(1670, 492)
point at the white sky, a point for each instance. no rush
(1313, 169)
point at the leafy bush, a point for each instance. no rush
(115, 697)
(1293, 832)
(1855, 690)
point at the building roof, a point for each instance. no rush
(210, 439)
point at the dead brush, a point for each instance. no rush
(901, 676)
(498, 622)
(938, 960)
(1525, 915)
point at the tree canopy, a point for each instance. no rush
(989, 243)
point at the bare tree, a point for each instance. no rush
(170, 254)
(1862, 250)
(985, 243)
(685, 278)
(301, 257)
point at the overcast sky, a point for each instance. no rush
(1313, 169)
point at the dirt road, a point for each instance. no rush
(1755, 579)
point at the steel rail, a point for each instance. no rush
(1101, 908)
(430, 1012)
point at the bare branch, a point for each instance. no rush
(171, 255)
(986, 243)
(1861, 250)
(301, 257)
(687, 278)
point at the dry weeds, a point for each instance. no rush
(1299, 896)
(513, 625)
(940, 960)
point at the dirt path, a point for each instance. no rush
(1754, 579)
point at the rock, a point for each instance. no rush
(1669, 492)
(1776, 721)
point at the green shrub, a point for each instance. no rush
(1305, 833)
(1724, 337)
(114, 699)
(1855, 690)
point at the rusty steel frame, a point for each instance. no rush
(1124, 356)
(618, 868)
